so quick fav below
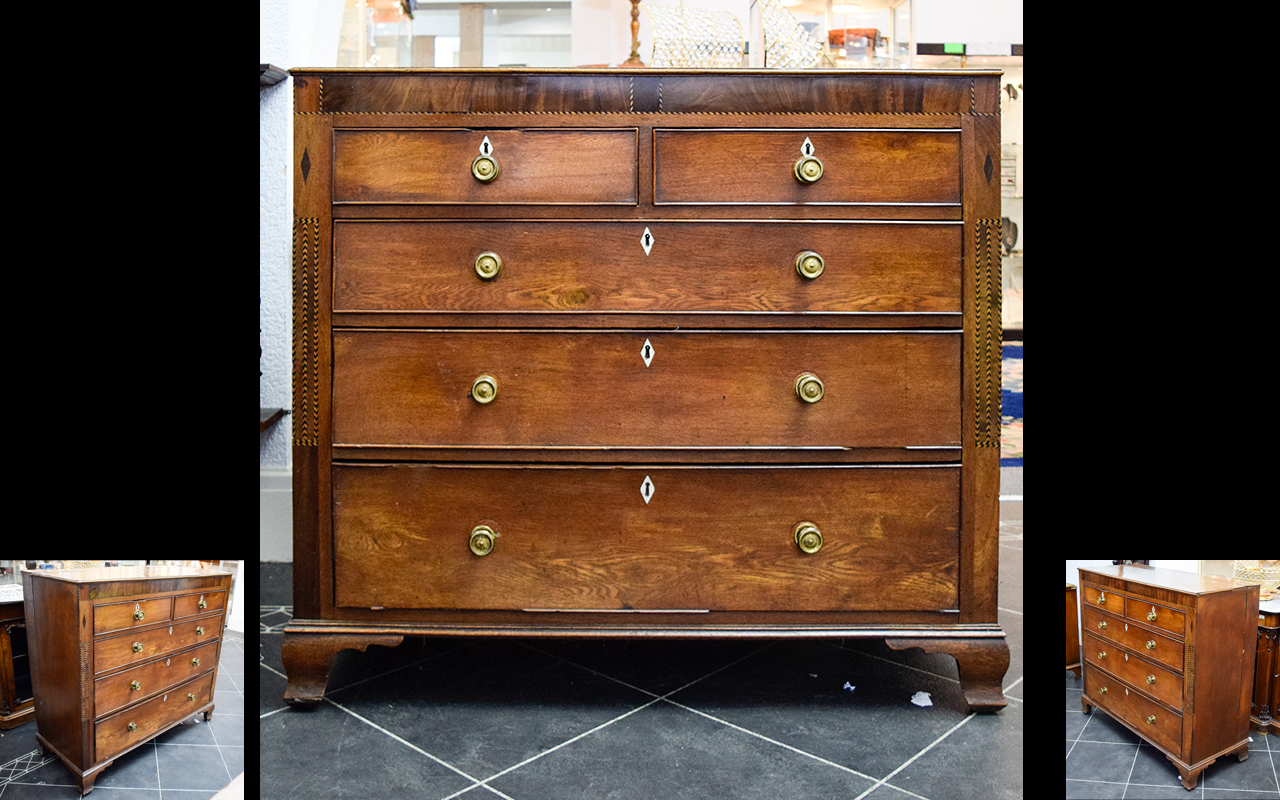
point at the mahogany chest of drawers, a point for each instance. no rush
(646, 353)
(1170, 655)
(120, 655)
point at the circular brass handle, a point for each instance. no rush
(132, 727)
(137, 647)
(1102, 598)
(1151, 645)
(809, 387)
(808, 537)
(1102, 626)
(1151, 720)
(138, 614)
(808, 170)
(482, 539)
(195, 662)
(191, 696)
(488, 265)
(809, 264)
(484, 168)
(1102, 654)
(202, 603)
(1152, 615)
(1103, 690)
(1151, 679)
(484, 389)
(134, 685)
(199, 631)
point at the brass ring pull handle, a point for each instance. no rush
(484, 168)
(137, 611)
(1152, 615)
(809, 264)
(1102, 626)
(1151, 679)
(809, 387)
(808, 170)
(200, 631)
(482, 540)
(1102, 598)
(484, 388)
(191, 696)
(135, 685)
(808, 537)
(1151, 645)
(132, 727)
(137, 647)
(1103, 690)
(195, 662)
(488, 265)
(1101, 654)
(202, 603)
(1151, 720)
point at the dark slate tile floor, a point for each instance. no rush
(192, 761)
(1106, 760)
(547, 719)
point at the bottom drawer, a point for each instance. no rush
(1151, 719)
(114, 736)
(646, 538)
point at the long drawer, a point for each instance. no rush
(686, 266)
(555, 166)
(1162, 726)
(117, 651)
(647, 388)
(858, 166)
(113, 734)
(646, 538)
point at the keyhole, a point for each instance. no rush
(485, 147)
(646, 351)
(808, 149)
(646, 490)
(646, 239)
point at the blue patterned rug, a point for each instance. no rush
(1011, 406)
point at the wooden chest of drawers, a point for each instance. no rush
(1171, 656)
(684, 354)
(119, 656)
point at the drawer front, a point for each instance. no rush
(706, 539)
(1110, 601)
(564, 266)
(699, 389)
(1164, 727)
(534, 166)
(119, 616)
(117, 691)
(118, 651)
(1136, 638)
(1158, 681)
(727, 166)
(189, 605)
(113, 735)
(1169, 619)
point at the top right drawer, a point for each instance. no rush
(722, 166)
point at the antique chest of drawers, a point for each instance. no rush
(646, 353)
(1170, 655)
(120, 655)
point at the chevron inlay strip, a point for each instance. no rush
(987, 332)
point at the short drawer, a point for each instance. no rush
(1160, 682)
(538, 166)
(647, 389)
(1162, 726)
(858, 166)
(1169, 619)
(191, 605)
(1095, 597)
(687, 266)
(113, 734)
(646, 538)
(123, 688)
(109, 617)
(118, 651)
(1150, 644)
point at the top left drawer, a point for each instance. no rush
(533, 166)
